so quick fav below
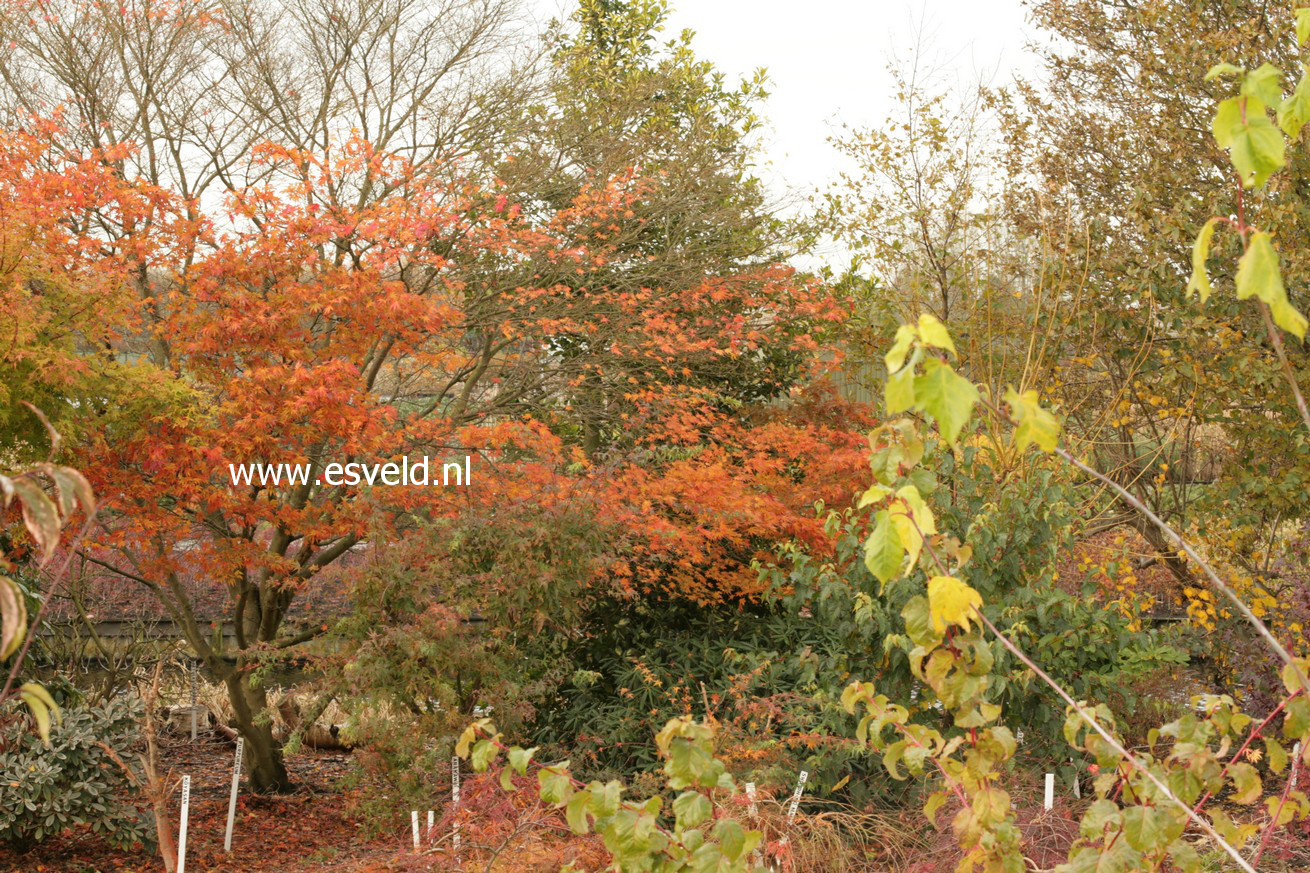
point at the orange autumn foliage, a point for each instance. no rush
(354, 307)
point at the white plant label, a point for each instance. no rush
(796, 795)
(1296, 762)
(182, 824)
(454, 800)
(232, 796)
(1049, 801)
(432, 822)
(750, 795)
(413, 823)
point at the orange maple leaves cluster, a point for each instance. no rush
(357, 307)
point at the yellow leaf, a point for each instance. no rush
(934, 333)
(1035, 424)
(951, 602)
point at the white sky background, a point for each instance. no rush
(827, 63)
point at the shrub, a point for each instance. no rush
(462, 613)
(73, 782)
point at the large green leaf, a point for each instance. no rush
(1259, 276)
(883, 550)
(945, 395)
(1294, 111)
(1256, 145)
(898, 393)
(1264, 82)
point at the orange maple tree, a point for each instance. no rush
(354, 307)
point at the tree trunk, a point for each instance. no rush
(268, 772)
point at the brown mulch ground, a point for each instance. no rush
(307, 830)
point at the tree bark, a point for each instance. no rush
(268, 771)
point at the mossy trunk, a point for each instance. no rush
(251, 717)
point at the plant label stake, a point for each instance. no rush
(796, 795)
(1296, 759)
(431, 823)
(413, 823)
(750, 795)
(454, 800)
(795, 804)
(232, 796)
(182, 823)
(1049, 802)
(193, 701)
(1077, 784)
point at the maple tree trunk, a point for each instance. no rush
(268, 771)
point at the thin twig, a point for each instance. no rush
(1276, 339)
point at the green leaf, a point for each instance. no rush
(1275, 754)
(1296, 718)
(1280, 811)
(1264, 82)
(705, 859)
(874, 494)
(691, 808)
(1246, 783)
(484, 752)
(1227, 121)
(945, 395)
(1294, 110)
(1200, 281)
(883, 550)
(1100, 815)
(895, 357)
(978, 715)
(1185, 857)
(576, 812)
(1224, 69)
(1255, 145)
(891, 758)
(732, 838)
(555, 784)
(605, 798)
(1147, 828)
(934, 803)
(1302, 25)
(1035, 424)
(1258, 276)
(519, 758)
(1291, 674)
(898, 393)
(935, 334)
(918, 624)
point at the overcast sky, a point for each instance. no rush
(827, 61)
